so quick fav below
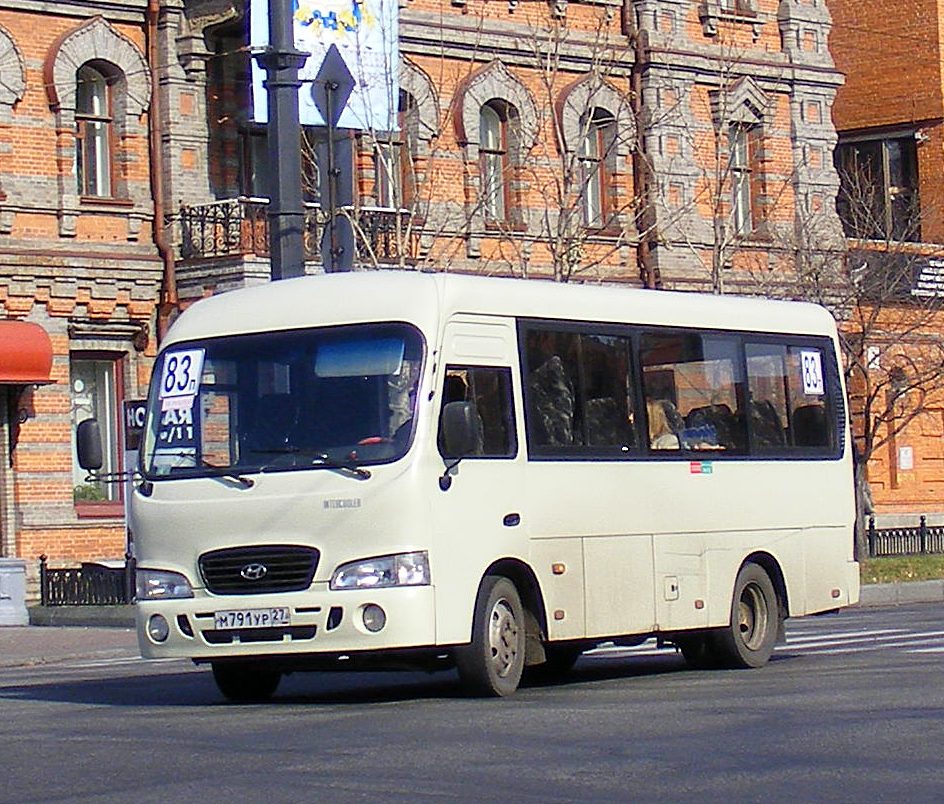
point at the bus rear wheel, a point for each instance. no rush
(755, 619)
(245, 683)
(492, 664)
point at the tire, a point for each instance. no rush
(492, 664)
(755, 619)
(245, 683)
(697, 651)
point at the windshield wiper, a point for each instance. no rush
(321, 459)
(348, 466)
(201, 463)
(229, 474)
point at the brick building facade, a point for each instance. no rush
(77, 259)
(890, 157)
(660, 143)
(663, 85)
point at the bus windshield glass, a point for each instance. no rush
(283, 401)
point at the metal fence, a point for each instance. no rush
(89, 585)
(923, 539)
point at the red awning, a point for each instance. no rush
(25, 353)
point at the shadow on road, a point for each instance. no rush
(196, 687)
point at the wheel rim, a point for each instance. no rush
(753, 617)
(503, 638)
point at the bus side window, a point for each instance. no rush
(768, 393)
(553, 414)
(787, 392)
(695, 380)
(579, 393)
(490, 390)
(810, 427)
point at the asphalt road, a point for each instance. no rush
(850, 709)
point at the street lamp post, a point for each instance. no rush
(281, 62)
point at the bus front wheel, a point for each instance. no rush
(493, 662)
(749, 640)
(245, 683)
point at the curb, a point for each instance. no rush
(897, 594)
(85, 616)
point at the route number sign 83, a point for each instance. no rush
(181, 374)
(812, 367)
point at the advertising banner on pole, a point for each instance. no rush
(366, 34)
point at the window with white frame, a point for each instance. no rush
(95, 383)
(255, 164)
(93, 124)
(740, 158)
(596, 154)
(393, 160)
(493, 160)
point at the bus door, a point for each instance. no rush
(477, 509)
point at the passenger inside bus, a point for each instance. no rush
(661, 435)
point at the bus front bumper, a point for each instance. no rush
(209, 627)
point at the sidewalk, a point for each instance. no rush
(28, 646)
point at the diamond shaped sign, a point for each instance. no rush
(335, 76)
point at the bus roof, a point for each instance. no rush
(425, 299)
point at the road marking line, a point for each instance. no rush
(844, 635)
(889, 643)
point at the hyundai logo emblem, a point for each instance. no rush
(254, 572)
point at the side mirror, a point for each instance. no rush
(461, 429)
(88, 445)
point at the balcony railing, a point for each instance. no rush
(240, 226)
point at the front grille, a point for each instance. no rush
(235, 570)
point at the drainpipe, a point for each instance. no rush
(641, 169)
(169, 300)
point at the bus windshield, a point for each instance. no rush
(283, 401)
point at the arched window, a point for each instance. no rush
(596, 157)
(493, 160)
(93, 132)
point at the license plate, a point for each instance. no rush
(251, 618)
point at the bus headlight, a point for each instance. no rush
(161, 585)
(403, 569)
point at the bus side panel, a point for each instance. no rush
(619, 582)
(726, 553)
(681, 582)
(831, 546)
(558, 564)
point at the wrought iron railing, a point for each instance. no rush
(240, 226)
(905, 541)
(89, 585)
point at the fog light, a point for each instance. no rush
(158, 629)
(374, 618)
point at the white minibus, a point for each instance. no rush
(387, 469)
